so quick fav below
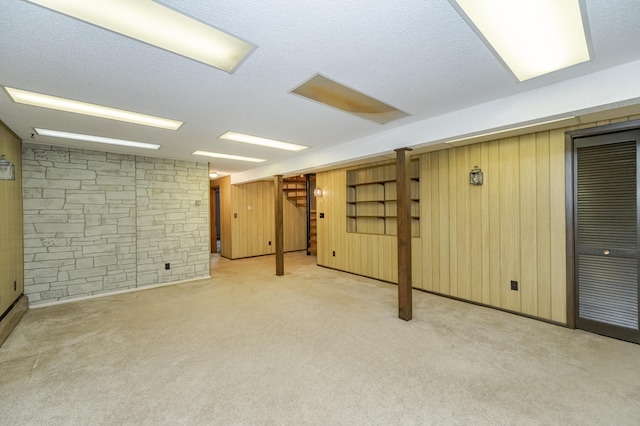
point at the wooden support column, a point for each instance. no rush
(403, 188)
(279, 214)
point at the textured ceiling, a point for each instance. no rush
(418, 56)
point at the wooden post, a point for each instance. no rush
(279, 214)
(403, 187)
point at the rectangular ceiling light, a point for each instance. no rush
(255, 140)
(97, 139)
(160, 26)
(68, 105)
(228, 157)
(531, 37)
(326, 91)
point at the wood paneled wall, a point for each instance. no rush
(11, 242)
(252, 221)
(477, 239)
(226, 243)
(295, 227)
(474, 240)
(364, 254)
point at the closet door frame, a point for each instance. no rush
(570, 174)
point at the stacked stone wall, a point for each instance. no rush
(172, 221)
(97, 222)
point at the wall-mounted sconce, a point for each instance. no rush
(7, 169)
(475, 176)
(317, 192)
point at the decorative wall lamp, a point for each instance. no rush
(7, 169)
(475, 176)
(317, 192)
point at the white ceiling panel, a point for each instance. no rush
(418, 56)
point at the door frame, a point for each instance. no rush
(213, 217)
(569, 204)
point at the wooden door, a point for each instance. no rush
(606, 234)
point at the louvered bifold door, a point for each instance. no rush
(607, 234)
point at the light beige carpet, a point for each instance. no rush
(313, 347)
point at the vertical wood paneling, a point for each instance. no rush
(7, 269)
(225, 216)
(416, 264)
(509, 222)
(338, 228)
(332, 235)
(254, 226)
(366, 254)
(11, 228)
(558, 226)
(445, 234)
(462, 219)
(492, 180)
(512, 231)
(543, 225)
(453, 231)
(485, 234)
(528, 226)
(424, 260)
(434, 223)
(295, 227)
(323, 236)
(474, 240)
(475, 232)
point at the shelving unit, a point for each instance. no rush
(371, 200)
(295, 190)
(313, 233)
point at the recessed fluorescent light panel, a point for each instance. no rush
(531, 37)
(255, 140)
(68, 105)
(98, 139)
(326, 91)
(228, 157)
(160, 26)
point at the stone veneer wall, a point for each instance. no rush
(173, 220)
(97, 222)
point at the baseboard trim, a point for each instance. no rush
(37, 305)
(12, 317)
(459, 299)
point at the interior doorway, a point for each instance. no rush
(605, 233)
(215, 219)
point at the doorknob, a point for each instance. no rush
(605, 252)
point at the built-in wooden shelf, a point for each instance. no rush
(371, 200)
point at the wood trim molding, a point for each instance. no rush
(607, 128)
(570, 204)
(569, 209)
(12, 317)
